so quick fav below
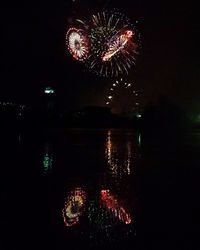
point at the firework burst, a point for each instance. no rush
(114, 44)
(108, 43)
(77, 43)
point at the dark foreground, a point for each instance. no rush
(99, 189)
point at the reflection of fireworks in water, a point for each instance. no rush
(74, 207)
(114, 44)
(123, 98)
(108, 220)
(77, 44)
(119, 158)
(112, 204)
(47, 158)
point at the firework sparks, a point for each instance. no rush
(108, 43)
(117, 44)
(114, 44)
(77, 44)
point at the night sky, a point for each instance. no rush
(34, 54)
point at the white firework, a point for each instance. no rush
(77, 43)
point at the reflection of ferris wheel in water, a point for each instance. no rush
(123, 98)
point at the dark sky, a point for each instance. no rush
(34, 54)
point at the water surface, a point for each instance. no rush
(98, 189)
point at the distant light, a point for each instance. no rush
(117, 82)
(139, 140)
(107, 103)
(109, 97)
(137, 103)
(129, 85)
(48, 90)
(47, 163)
(197, 119)
(114, 84)
(111, 89)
